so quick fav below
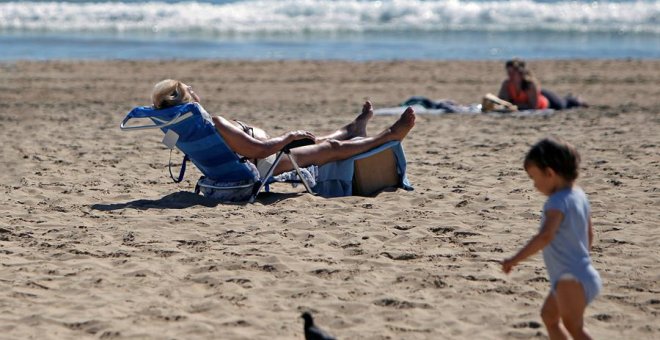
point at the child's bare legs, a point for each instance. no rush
(333, 150)
(572, 303)
(552, 319)
(356, 128)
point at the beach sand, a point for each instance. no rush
(97, 242)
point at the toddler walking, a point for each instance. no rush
(565, 237)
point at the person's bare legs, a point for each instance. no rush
(551, 319)
(356, 128)
(572, 302)
(333, 150)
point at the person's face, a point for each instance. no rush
(192, 93)
(545, 180)
(513, 74)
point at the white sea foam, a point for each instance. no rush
(280, 17)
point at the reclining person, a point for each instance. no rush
(254, 144)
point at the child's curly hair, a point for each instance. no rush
(556, 154)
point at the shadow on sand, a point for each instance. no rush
(186, 199)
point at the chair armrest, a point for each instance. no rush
(297, 143)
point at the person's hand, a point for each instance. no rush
(301, 134)
(507, 265)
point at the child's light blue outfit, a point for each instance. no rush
(568, 253)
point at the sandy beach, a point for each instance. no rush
(96, 242)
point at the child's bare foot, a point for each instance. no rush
(358, 127)
(401, 127)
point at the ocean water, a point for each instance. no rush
(318, 29)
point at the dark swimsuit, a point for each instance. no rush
(250, 131)
(246, 128)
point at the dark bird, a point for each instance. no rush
(312, 332)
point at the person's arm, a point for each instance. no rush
(553, 220)
(245, 145)
(533, 96)
(504, 92)
(591, 234)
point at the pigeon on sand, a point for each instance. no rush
(312, 332)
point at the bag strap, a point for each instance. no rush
(183, 168)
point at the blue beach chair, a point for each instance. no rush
(189, 128)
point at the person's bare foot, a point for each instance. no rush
(367, 112)
(358, 127)
(581, 102)
(401, 127)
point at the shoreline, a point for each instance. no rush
(95, 240)
(447, 46)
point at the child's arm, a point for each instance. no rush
(591, 234)
(553, 219)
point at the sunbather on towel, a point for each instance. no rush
(523, 90)
(255, 144)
